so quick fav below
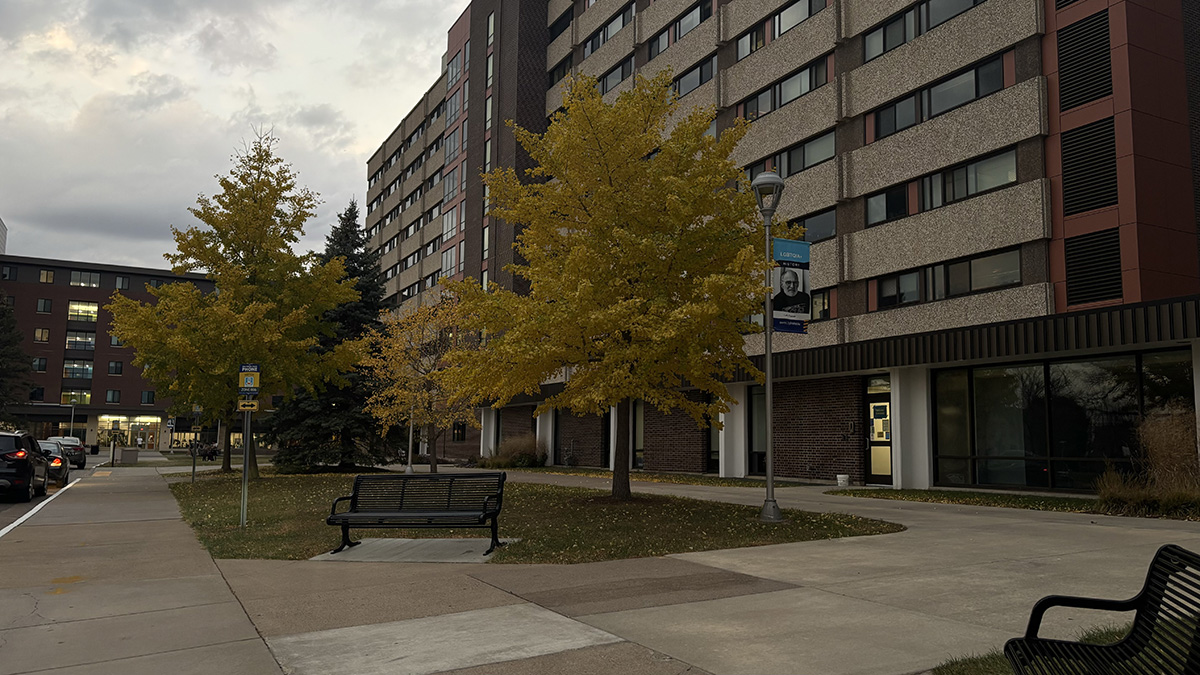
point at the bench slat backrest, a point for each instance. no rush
(1168, 620)
(425, 492)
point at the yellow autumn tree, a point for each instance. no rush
(269, 306)
(642, 250)
(405, 361)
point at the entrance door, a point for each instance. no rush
(879, 430)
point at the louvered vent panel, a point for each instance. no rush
(1093, 267)
(1089, 160)
(1059, 4)
(1084, 62)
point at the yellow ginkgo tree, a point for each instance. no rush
(642, 251)
(405, 362)
(269, 306)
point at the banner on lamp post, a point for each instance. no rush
(791, 302)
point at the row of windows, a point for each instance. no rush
(692, 79)
(944, 187)
(916, 20)
(947, 280)
(84, 396)
(954, 91)
(616, 76)
(623, 18)
(786, 90)
(78, 368)
(780, 23)
(686, 23)
(78, 278)
(797, 158)
(76, 339)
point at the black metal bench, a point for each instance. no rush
(1163, 639)
(421, 500)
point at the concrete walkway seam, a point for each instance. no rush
(12, 526)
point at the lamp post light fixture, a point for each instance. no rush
(768, 190)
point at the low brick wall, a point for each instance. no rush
(820, 428)
(674, 442)
(516, 421)
(582, 438)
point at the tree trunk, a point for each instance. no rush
(620, 482)
(348, 450)
(432, 447)
(223, 445)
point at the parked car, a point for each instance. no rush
(24, 467)
(60, 468)
(73, 447)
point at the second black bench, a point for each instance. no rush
(421, 500)
(1164, 639)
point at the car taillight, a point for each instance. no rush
(56, 462)
(20, 454)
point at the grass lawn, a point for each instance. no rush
(555, 524)
(994, 663)
(651, 477)
(1012, 501)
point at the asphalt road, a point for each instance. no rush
(10, 510)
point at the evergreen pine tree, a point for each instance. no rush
(331, 427)
(15, 365)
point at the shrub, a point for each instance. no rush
(519, 452)
(1166, 481)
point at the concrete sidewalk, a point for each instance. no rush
(107, 579)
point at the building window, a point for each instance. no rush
(491, 27)
(821, 308)
(818, 226)
(459, 432)
(39, 365)
(659, 43)
(698, 14)
(490, 71)
(44, 305)
(47, 276)
(115, 341)
(41, 334)
(952, 92)
(147, 397)
(970, 179)
(454, 69)
(557, 74)
(795, 14)
(912, 22)
(86, 279)
(76, 397)
(754, 40)
(37, 394)
(692, 79)
(116, 367)
(805, 155)
(947, 280)
(486, 248)
(122, 283)
(82, 311)
(483, 279)
(616, 76)
(8, 273)
(76, 369)
(448, 260)
(889, 205)
(786, 90)
(623, 18)
(112, 396)
(77, 339)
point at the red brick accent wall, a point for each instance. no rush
(819, 428)
(516, 421)
(581, 438)
(448, 448)
(674, 442)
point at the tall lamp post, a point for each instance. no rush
(768, 189)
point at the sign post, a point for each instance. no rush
(248, 379)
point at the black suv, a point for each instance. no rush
(24, 467)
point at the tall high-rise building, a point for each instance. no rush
(3, 237)
(1001, 197)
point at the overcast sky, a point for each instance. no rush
(116, 114)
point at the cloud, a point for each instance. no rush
(232, 44)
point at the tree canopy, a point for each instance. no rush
(269, 306)
(642, 248)
(16, 366)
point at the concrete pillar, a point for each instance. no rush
(1196, 386)
(544, 432)
(612, 436)
(489, 420)
(734, 433)
(912, 429)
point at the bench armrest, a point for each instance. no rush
(492, 503)
(1039, 610)
(333, 509)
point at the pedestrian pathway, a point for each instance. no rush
(122, 586)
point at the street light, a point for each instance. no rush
(768, 189)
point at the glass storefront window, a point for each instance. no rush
(1167, 380)
(1010, 423)
(757, 459)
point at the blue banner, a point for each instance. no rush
(791, 299)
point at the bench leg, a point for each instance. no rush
(345, 540)
(496, 543)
